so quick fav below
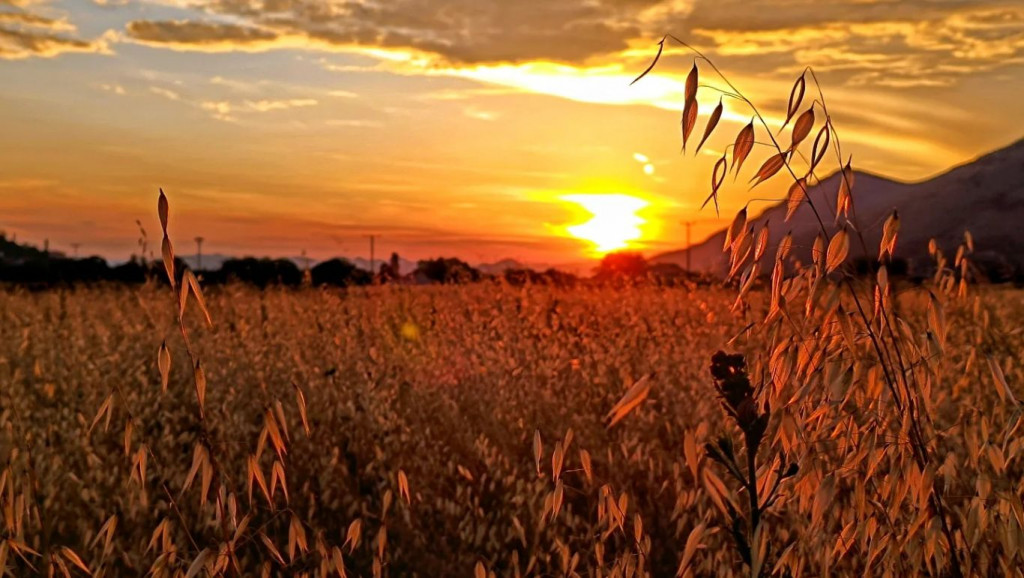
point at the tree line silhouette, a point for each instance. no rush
(30, 266)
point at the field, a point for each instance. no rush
(460, 431)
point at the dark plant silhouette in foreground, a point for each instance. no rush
(739, 400)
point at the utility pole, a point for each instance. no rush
(199, 253)
(75, 246)
(689, 245)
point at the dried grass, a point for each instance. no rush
(319, 435)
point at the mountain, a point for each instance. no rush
(499, 267)
(984, 196)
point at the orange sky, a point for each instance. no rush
(455, 127)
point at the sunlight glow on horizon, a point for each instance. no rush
(614, 221)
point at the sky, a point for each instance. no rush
(483, 129)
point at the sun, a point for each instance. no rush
(613, 222)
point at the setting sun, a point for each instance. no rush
(614, 220)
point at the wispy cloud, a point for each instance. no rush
(227, 110)
(27, 34)
(112, 88)
(353, 123)
(30, 20)
(165, 92)
(480, 114)
(232, 109)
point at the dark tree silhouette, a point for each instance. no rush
(621, 265)
(390, 272)
(446, 271)
(260, 272)
(553, 277)
(339, 273)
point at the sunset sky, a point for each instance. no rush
(476, 128)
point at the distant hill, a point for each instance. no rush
(581, 268)
(985, 196)
(499, 267)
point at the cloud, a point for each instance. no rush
(479, 114)
(271, 105)
(343, 94)
(219, 109)
(588, 50)
(353, 123)
(934, 46)
(113, 88)
(459, 31)
(869, 49)
(895, 44)
(29, 19)
(19, 3)
(237, 101)
(25, 34)
(165, 92)
(227, 110)
(199, 35)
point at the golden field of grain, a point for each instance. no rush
(802, 419)
(443, 431)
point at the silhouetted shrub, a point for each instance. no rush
(621, 265)
(340, 273)
(56, 270)
(446, 271)
(132, 272)
(390, 271)
(552, 277)
(260, 272)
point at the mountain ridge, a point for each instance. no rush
(984, 195)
